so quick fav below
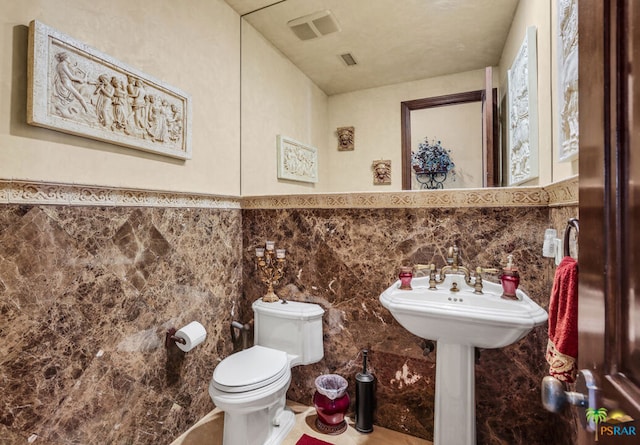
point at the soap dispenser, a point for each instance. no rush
(510, 279)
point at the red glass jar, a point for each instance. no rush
(405, 276)
(510, 280)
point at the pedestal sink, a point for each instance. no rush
(460, 321)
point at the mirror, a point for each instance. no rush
(306, 89)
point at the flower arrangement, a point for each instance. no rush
(431, 158)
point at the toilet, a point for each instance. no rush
(250, 386)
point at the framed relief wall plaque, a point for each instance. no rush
(296, 161)
(568, 79)
(76, 89)
(522, 151)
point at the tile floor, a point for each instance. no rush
(208, 431)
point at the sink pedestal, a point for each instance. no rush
(455, 406)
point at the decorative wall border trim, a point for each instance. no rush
(496, 197)
(558, 194)
(563, 193)
(39, 193)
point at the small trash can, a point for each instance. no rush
(331, 401)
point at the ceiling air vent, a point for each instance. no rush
(348, 59)
(314, 25)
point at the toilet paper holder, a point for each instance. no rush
(170, 338)
(187, 337)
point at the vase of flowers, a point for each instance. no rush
(432, 163)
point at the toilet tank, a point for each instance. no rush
(293, 327)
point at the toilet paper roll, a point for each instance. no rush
(193, 334)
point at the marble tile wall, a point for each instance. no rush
(343, 259)
(558, 220)
(86, 295)
(91, 278)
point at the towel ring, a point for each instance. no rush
(572, 223)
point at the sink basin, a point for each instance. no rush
(460, 322)
(465, 318)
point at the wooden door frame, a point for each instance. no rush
(407, 107)
(606, 274)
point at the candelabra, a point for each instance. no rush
(270, 264)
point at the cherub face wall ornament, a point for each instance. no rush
(381, 172)
(346, 138)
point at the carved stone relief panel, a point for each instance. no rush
(568, 79)
(381, 172)
(297, 161)
(78, 90)
(522, 155)
(346, 138)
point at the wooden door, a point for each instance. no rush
(489, 131)
(609, 254)
(490, 148)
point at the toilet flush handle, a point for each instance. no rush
(244, 335)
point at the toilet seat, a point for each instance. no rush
(250, 369)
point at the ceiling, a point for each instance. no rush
(392, 41)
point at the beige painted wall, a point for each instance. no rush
(195, 48)
(150, 35)
(277, 99)
(375, 114)
(459, 128)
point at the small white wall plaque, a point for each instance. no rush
(78, 90)
(568, 79)
(522, 153)
(297, 161)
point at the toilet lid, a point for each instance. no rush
(250, 369)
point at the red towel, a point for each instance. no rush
(308, 440)
(562, 348)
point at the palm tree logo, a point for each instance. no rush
(596, 416)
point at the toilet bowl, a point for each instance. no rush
(250, 386)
